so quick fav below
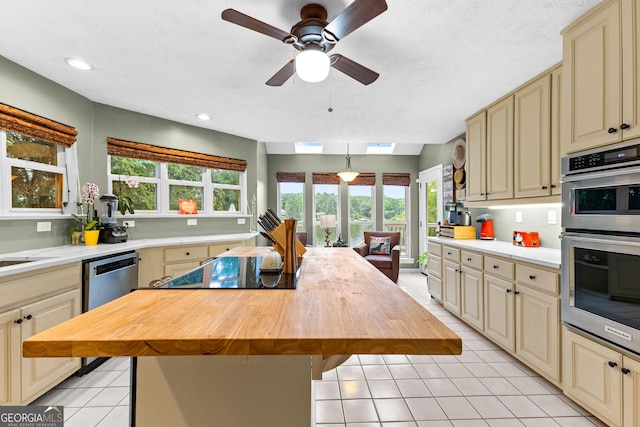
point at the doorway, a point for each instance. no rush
(430, 204)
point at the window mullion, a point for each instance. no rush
(163, 188)
(5, 184)
(208, 192)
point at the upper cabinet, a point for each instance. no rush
(500, 150)
(601, 54)
(476, 157)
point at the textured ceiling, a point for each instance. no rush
(439, 62)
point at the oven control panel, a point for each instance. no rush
(598, 160)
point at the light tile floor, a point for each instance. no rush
(484, 386)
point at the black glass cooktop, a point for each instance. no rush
(231, 273)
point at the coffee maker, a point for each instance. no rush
(110, 231)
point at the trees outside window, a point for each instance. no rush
(291, 202)
(395, 212)
(361, 212)
(326, 197)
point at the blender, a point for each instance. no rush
(110, 231)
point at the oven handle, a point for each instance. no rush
(599, 174)
(601, 238)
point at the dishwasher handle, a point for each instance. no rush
(111, 264)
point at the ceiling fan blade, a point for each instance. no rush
(353, 17)
(282, 75)
(353, 69)
(239, 18)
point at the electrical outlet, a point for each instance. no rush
(43, 226)
(518, 216)
(192, 221)
(241, 221)
(551, 217)
(129, 224)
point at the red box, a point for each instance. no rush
(528, 239)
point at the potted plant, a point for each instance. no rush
(424, 258)
(75, 233)
(90, 223)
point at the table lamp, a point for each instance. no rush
(327, 221)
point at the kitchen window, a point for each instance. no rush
(361, 207)
(156, 187)
(326, 192)
(291, 197)
(396, 206)
(37, 163)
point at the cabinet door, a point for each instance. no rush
(592, 67)
(476, 176)
(472, 300)
(435, 265)
(499, 311)
(631, 387)
(558, 127)
(9, 358)
(40, 374)
(591, 376)
(532, 139)
(451, 286)
(435, 287)
(538, 330)
(630, 68)
(500, 150)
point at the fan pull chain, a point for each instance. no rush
(330, 109)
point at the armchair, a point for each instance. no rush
(387, 264)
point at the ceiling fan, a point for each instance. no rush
(314, 37)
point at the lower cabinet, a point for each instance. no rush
(471, 289)
(602, 380)
(33, 303)
(499, 311)
(451, 286)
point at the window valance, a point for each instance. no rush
(15, 120)
(403, 179)
(326, 178)
(290, 176)
(138, 150)
(366, 178)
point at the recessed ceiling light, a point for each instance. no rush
(203, 116)
(79, 64)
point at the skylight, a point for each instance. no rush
(308, 147)
(380, 148)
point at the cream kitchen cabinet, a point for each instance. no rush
(558, 127)
(500, 150)
(451, 279)
(602, 379)
(601, 63)
(489, 161)
(472, 289)
(524, 316)
(33, 302)
(532, 139)
(476, 161)
(434, 277)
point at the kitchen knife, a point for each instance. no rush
(272, 215)
(269, 226)
(266, 236)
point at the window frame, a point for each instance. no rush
(372, 188)
(163, 183)
(301, 222)
(407, 219)
(316, 220)
(67, 166)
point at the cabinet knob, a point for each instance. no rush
(448, 253)
(553, 186)
(612, 364)
(28, 317)
(544, 187)
(482, 194)
(188, 254)
(532, 277)
(624, 126)
(18, 321)
(612, 130)
(508, 291)
(516, 292)
(469, 259)
(495, 266)
(625, 371)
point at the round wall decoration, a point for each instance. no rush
(459, 153)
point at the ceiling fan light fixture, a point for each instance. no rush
(348, 175)
(312, 65)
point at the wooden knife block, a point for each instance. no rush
(280, 237)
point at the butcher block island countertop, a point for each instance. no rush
(342, 305)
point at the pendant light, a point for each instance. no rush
(348, 175)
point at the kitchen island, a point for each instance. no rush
(243, 358)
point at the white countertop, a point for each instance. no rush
(49, 257)
(542, 256)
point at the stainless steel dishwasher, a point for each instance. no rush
(105, 279)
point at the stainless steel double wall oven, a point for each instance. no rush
(601, 243)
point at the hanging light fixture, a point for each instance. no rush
(348, 175)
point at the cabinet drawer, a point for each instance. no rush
(216, 249)
(452, 254)
(435, 287)
(537, 278)
(435, 265)
(499, 267)
(434, 248)
(471, 259)
(185, 253)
